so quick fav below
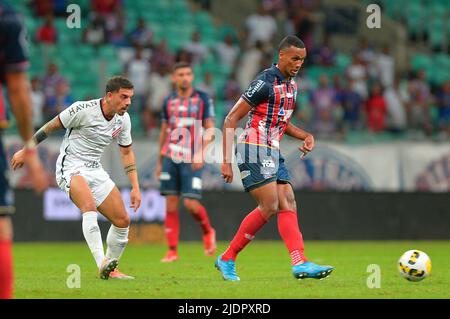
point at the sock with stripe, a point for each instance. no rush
(172, 229)
(6, 270)
(291, 235)
(93, 236)
(202, 218)
(246, 232)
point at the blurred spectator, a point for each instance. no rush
(376, 109)
(323, 101)
(274, 6)
(261, 26)
(161, 56)
(396, 103)
(104, 7)
(183, 56)
(227, 51)
(117, 37)
(95, 33)
(196, 48)
(352, 104)
(41, 8)
(137, 71)
(385, 67)
(443, 102)
(250, 63)
(159, 85)
(60, 7)
(324, 54)
(365, 52)
(232, 92)
(47, 33)
(38, 100)
(51, 80)
(303, 23)
(207, 85)
(419, 107)
(357, 75)
(114, 19)
(141, 35)
(60, 101)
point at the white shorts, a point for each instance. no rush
(98, 180)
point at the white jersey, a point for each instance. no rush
(88, 133)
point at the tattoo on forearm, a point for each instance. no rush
(130, 168)
(40, 135)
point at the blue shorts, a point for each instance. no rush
(260, 165)
(180, 179)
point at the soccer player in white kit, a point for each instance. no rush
(90, 127)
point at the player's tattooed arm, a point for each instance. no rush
(45, 131)
(129, 164)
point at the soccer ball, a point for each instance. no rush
(414, 265)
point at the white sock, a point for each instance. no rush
(116, 241)
(93, 236)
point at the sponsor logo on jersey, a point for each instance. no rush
(81, 106)
(253, 89)
(268, 163)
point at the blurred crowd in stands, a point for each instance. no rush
(370, 96)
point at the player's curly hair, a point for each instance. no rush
(118, 82)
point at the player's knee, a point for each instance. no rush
(190, 205)
(269, 208)
(6, 232)
(172, 203)
(88, 207)
(122, 221)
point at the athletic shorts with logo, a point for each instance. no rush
(180, 179)
(260, 165)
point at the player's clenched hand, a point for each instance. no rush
(135, 198)
(197, 166)
(18, 159)
(308, 145)
(227, 172)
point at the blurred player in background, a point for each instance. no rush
(90, 127)
(185, 112)
(13, 75)
(270, 100)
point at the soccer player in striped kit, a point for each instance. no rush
(270, 101)
(185, 113)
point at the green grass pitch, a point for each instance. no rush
(264, 268)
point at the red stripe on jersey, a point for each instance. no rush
(196, 131)
(276, 108)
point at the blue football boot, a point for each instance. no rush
(227, 268)
(311, 270)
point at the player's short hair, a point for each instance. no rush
(118, 82)
(180, 65)
(291, 40)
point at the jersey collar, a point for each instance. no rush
(277, 71)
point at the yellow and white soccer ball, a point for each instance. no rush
(414, 265)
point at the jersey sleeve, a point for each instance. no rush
(124, 138)
(164, 113)
(208, 106)
(257, 92)
(72, 116)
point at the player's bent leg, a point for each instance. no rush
(292, 237)
(113, 208)
(82, 197)
(172, 228)
(198, 211)
(6, 260)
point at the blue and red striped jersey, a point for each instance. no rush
(185, 117)
(273, 100)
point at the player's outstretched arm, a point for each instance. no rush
(129, 164)
(19, 157)
(300, 134)
(239, 110)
